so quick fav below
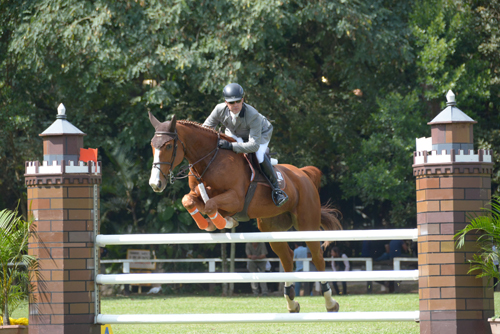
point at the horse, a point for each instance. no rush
(219, 180)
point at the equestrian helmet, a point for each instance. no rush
(233, 92)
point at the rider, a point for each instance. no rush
(251, 130)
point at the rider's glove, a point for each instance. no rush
(225, 145)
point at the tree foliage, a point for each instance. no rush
(348, 85)
(16, 266)
(486, 227)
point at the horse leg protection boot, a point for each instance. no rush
(279, 196)
(330, 303)
(291, 304)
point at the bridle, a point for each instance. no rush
(187, 170)
(175, 138)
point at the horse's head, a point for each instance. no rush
(165, 151)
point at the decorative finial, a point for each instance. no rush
(61, 111)
(451, 99)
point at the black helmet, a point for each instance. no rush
(233, 92)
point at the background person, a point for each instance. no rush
(395, 248)
(300, 252)
(340, 266)
(257, 251)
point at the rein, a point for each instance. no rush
(182, 173)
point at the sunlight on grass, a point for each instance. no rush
(178, 305)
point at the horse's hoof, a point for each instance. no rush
(335, 308)
(231, 222)
(297, 309)
(211, 227)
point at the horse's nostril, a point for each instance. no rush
(156, 186)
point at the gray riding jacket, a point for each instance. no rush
(250, 125)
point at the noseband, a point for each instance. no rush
(188, 168)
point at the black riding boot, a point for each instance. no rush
(279, 196)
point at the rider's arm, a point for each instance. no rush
(252, 145)
(213, 119)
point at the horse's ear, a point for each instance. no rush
(153, 120)
(172, 124)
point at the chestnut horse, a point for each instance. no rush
(219, 180)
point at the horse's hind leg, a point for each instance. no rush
(282, 223)
(319, 262)
(309, 219)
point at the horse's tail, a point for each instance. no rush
(330, 217)
(314, 174)
(330, 220)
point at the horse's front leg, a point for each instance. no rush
(195, 206)
(228, 201)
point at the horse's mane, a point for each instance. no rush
(201, 127)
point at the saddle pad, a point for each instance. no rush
(257, 174)
(256, 179)
(281, 179)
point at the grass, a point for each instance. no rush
(188, 304)
(173, 305)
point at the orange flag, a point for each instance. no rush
(89, 154)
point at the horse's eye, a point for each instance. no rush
(169, 146)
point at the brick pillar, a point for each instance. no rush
(61, 198)
(452, 182)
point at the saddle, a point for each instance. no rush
(256, 179)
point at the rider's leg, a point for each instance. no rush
(279, 196)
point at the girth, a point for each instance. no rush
(256, 178)
(242, 216)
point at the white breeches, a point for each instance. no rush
(261, 151)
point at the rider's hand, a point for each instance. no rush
(225, 145)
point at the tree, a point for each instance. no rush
(348, 85)
(16, 266)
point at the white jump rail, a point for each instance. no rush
(312, 276)
(211, 262)
(257, 317)
(397, 261)
(210, 238)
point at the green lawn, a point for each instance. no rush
(178, 305)
(392, 302)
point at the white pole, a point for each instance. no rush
(210, 238)
(339, 276)
(397, 264)
(256, 317)
(369, 264)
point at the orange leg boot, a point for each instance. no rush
(198, 218)
(218, 220)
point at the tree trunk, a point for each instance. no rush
(6, 321)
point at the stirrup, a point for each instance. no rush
(277, 193)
